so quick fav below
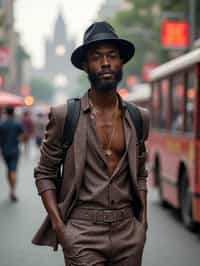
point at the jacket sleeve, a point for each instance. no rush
(142, 152)
(51, 152)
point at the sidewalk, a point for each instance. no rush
(19, 221)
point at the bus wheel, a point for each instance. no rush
(163, 202)
(186, 204)
(157, 177)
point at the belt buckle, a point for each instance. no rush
(99, 217)
(104, 216)
(108, 216)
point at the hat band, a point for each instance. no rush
(101, 37)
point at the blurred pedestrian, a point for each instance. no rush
(101, 218)
(11, 132)
(28, 125)
(39, 128)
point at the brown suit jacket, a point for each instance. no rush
(52, 153)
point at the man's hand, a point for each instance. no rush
(143, 219)
(143, 215)
(59, 229)
(50, 203)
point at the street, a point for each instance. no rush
(168, 242)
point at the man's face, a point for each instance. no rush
(104, 66)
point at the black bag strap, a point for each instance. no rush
(70, 125)
(71, 121)
(137, 120)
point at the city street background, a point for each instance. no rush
(37, 39)
(168, 242)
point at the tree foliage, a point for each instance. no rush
(141, 25)
(42, 90)
(178, 5)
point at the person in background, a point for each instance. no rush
(28, 125)
(11, 132)
(39, 128)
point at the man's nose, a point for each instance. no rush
(105, 61)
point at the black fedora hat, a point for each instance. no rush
(101, 32)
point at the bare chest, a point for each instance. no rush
(111, 136)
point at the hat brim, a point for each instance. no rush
(126, 50)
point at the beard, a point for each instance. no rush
(103, 84)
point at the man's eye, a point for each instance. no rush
(95, 57)
(113, 55)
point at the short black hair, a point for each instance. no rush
(9, 110)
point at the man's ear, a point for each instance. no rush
(85, 67)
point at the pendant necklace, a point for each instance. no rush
(107, 150)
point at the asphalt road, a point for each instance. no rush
(168, 242)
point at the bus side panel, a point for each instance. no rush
(171, 151)
(196, 186)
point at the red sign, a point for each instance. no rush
(4, 57)
(146, 69)
(175, 34)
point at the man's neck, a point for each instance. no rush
(103, 100)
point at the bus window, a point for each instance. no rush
(155, 105)
(164, 106)
(190, 101)
(177, 114)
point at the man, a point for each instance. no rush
(10, 133)
(104, 179)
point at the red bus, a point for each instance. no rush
(174, 143)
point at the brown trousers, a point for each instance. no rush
(117, 244)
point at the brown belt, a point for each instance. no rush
(101, 216)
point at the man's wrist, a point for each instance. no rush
(56, 220)
(145, 224)
(56, 225)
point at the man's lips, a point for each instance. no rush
(106, 75)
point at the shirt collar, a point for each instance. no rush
(86, 106)
(85, 102)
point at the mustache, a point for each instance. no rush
(104, 85)
(100, 73)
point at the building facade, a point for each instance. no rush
(57, 66)
(8, 45)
